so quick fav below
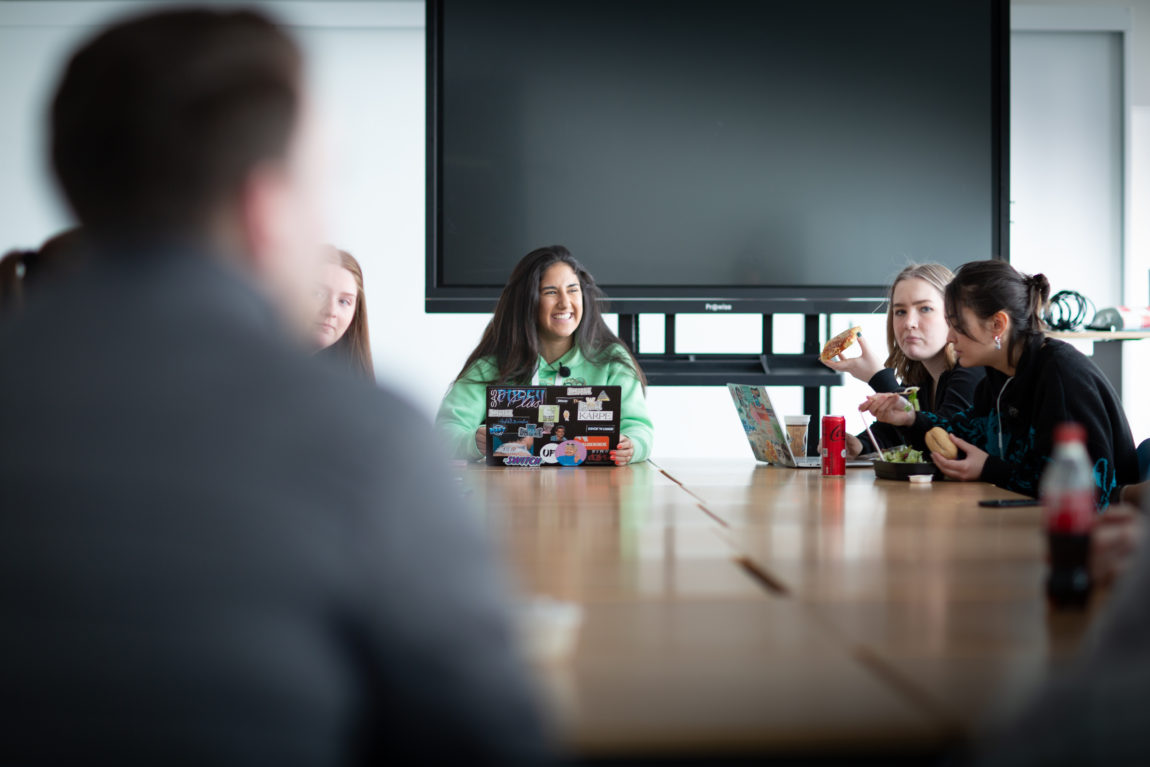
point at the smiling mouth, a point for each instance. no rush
(563, 317)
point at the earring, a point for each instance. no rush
(997, 342)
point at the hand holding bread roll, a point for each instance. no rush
(938, 441)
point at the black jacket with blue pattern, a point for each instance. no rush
(1013, 420)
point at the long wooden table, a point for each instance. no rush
(732, 608)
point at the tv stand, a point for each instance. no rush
(765, 369)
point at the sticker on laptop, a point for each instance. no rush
(571, 453)
(549, 453)
(590, 404)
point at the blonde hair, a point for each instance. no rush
(912, 372)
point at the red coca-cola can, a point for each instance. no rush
(834, 452)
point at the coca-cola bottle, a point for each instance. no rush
(1068, 498)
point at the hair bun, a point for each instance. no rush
(1039, 283)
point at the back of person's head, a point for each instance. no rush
(912, 372)
(354, 346)
(989, 287)
(159, 121)
(512, 336)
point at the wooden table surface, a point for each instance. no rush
(734, 608)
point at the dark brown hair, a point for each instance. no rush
(988, 287)
(512, 336)
(20, 269)
(158, 120)
(12, 268)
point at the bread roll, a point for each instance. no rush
(938, 441)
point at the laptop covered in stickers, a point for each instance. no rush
(552, 425)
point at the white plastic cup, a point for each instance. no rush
(797, 428)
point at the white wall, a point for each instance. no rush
(1066, 155)
(1136, 270)
(368, 70)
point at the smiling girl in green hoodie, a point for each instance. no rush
(547, 330)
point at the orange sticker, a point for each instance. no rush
(596, 443)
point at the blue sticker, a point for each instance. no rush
(522, 460)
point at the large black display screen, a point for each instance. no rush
(726, 144)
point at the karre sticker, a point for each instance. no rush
(596, 415)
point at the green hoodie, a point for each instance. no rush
(463, 409)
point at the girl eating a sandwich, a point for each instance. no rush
(1032, 384)
(919, 355)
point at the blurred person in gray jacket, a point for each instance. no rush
(214, 550)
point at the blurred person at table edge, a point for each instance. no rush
(212, 549)
(21, 270)
(340, 331)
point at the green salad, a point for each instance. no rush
(903, 454)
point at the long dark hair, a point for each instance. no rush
(988, 287)
(354, 346)
(59, 254)
(512, 336)
(13, 267)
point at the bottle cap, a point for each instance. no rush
(1069, 432)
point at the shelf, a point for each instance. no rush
(1099, 335)
(720, 369)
